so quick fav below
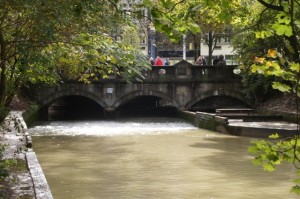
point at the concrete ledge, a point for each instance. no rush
(40, 184)
(259, 132)
(221, 124)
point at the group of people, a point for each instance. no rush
(158, 61)
(219, 61)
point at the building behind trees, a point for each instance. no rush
(154, 44)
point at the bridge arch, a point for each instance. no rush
(48, 100)
(225, 93)
(127, 97)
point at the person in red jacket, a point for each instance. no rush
(158, 62)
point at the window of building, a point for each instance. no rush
(231, 59)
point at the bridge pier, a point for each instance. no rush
(43, 113)
(110, 113)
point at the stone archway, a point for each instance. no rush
(136, 104)
(71, 105)
(236, 98)
(134, 94)
(46, 101)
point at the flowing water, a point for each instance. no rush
(158, 158)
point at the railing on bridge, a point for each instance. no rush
(194, 73)
(184, 71)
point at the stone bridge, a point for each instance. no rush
(183, 86)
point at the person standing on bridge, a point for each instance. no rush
(215, 61)
(158, 62)
(151, 61)
(200, 61)
(221, 61)
(167, 62)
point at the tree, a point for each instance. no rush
(247, 46)
(278, 22)
(206, 19)
(268, 153)
(131, 36)
(211, 28)
(41, 41)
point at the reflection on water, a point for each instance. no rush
(159, 160)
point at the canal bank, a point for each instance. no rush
(26, 179)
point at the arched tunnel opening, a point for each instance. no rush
(74, 108)
(83, 108)
(212, 103)
(146, 106)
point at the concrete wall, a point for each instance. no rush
(221, 125)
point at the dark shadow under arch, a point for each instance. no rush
(64, 93)
(136, 104)
(74, 107)
(225, 93)
(210, 104)
(129, 96)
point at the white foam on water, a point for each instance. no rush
(111, 128)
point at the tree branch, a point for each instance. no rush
(271, 6)
(114, 5)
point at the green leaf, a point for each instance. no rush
(260, 35)
(296, 189)
(274, 136)
(273, 157)
(283, 18)
(295, 67)
(282, 87)
(286, 6)
(281, 29)
(256, 161)
(194, 28)
(268, 167)
(297, 23)
(264, 34)
(252, 149)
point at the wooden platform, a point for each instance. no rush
(244, 111)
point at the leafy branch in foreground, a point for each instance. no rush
(286, 72)
(270, 154)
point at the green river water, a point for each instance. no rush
(151, 158)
